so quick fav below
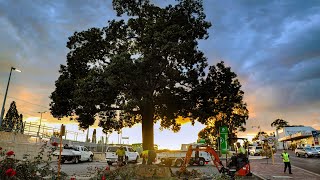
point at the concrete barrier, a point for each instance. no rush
(99, 156)
(23, 145)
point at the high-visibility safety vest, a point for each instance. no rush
(120, 152)
(242, 150)
(285, 157)
(145, 154)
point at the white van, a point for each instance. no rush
(111, 156)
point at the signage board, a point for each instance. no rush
(223, 139)
(271, 140)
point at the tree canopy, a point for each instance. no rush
(279, 123)
(260, 133)
(220, 101)
(148, 66)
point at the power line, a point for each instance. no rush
(27, 102)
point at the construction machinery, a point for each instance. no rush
(238, 166)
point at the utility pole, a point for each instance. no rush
(40, 121)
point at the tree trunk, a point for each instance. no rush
(147, 128)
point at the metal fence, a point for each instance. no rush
(51, 134)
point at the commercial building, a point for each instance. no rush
(290, 137)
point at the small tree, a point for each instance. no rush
(262, 133)
(279, 123)
(19, 127)
(12, 118)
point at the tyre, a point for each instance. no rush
(297, 154)
(126, 160)
(136, 161)
(90, 159)
(178, 163)
(109, 163)
(63, 161)
(201, 162)
(306, 155)
(75, 160)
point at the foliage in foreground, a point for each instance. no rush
(30, 169)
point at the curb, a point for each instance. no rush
(258, 176)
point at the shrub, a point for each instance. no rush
(31, 169)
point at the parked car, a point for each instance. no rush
(317, 148)
(255, 150)
(305, 152)
(131, 155)
(74, 154)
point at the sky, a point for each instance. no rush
(273, 46)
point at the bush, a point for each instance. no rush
(35, 169)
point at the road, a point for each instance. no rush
(85, 169)
(310, 164)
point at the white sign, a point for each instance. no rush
(271, 141)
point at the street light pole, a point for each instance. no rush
(5, 95)
(40, 120)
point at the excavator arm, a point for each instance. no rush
(215, 158)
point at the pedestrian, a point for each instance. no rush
(286, 160)
(121, 153)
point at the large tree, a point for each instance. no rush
(146, 65)
(279, 123)
(220, 101)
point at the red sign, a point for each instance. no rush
(316, 142)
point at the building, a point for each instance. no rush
(290, 137)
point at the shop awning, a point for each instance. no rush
(296, 136)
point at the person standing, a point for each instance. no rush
(121, 153)
(286, 160)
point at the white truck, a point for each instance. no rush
(176, 157)
(74, 154)
(111, 156)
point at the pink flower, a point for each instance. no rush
(10, 153)
(11, 172)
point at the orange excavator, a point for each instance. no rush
(237, 168)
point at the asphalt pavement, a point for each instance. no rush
(310, 164)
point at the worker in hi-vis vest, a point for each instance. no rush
(286, 160)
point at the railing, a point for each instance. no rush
(39, 133)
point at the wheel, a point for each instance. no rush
(136, 161)
(90, 159)
(178, 162)
(306, 155)
(63, 161)
(126, 161)
(297, 154)
(109, 163)
(75, 160)
(201, 162)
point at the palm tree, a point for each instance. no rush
(279, 123)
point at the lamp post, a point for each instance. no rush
(5, 95)
(40, 120)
